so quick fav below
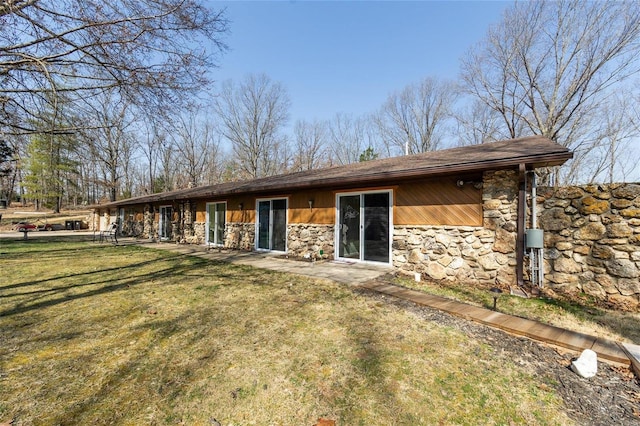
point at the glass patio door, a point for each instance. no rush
(272, 225)
(349, 237)
(164, 225)
(364, 231)
(216, 220)
(376, 227)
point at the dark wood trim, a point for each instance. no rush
(520, 225)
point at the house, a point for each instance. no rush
(458, 213)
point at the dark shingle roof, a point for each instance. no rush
(533, 152)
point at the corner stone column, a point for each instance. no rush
(147, 228)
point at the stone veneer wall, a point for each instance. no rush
(592, 241)
(196, 233)
(483, 254)
(148, 228)
(132, 228)
(305, 240)
(239, 235)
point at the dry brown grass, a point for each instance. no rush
(96, 334)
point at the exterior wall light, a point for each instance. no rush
(476, 184)
(311, 204)
(240, 206)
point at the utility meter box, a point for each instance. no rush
(534, 238)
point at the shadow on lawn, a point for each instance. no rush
(103, 280)
(369, 363)
(144, 378)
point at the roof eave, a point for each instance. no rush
(531, 162)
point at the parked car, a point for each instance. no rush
(26, 226)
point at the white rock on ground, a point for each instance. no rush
(586, 365)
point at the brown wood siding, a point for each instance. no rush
(438, 202)
(201, 211)
(138, 214)
(248, 212)
(323, 210)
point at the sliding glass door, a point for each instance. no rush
(272, 225)
(164, 224)
(216, 220)
(349, 237)
(364, 226)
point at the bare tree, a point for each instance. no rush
(548, 66)
(477, 123)
(253, 113)
(197, 151)
(349, 137)
(109, 138)
(151, 141)
(148, 50)
(414, 120)
(311, 143)
(613, 157)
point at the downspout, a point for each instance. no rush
(522, 205)
(534, 195)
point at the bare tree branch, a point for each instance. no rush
(151, 51)
(549, 67)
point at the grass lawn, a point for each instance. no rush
(97, 334)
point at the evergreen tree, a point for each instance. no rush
(368, 155)
(50, 169)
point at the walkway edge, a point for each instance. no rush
(607, 350)
(633, 351)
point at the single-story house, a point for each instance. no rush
(458, 213)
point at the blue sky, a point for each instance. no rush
(349, 56)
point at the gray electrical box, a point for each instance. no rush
(535, 238)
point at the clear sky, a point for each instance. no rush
(349, 56)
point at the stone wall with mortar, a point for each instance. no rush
(239, 235)
(148, 227)
(192, 233)
(592, 241)
(481, 254)
(306, 240)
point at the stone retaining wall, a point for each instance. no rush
(592, 241)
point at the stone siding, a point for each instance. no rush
(148, 227)
(481, 254)
(198, 230)
(132, 228)
(592, 241)
(306, 240)
(240, 236)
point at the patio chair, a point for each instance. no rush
(110, 234)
